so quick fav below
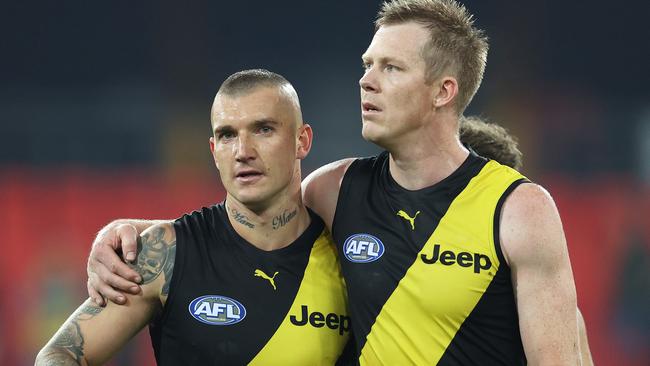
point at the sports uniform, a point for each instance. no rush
(232, 303)
(426, 278)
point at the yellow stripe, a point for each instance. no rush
(430, 303)
(322, 289)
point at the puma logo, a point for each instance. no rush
(408, 218)
(260, 273)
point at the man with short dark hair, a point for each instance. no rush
(241, 282)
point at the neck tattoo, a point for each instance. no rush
(283, 219)
(241, 218)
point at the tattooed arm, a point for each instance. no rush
(92, 334)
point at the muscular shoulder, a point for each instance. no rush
(321, 188)
(531, 229)
(155, 259)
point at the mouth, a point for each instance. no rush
(248, 176)
(367, 107)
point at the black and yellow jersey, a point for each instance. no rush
(427, 282)
(231, 303)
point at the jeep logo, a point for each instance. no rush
(464, 259)
(318, 320)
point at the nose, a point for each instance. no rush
(368, 82)
(244, 149)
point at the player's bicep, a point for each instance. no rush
(533, 241)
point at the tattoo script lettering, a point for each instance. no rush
(281, 220)
(241, 218)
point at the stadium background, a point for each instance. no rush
(104, 113)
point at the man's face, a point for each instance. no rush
(395, 99)
(255, 144)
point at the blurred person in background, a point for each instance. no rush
(491, 141)
(260, 259)
(428, 216)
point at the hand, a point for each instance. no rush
(108, 275)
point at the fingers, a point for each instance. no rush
(128, 237)
(110, 268)
(108, 276)
(102, 289)
(104, 284)
(94, 295)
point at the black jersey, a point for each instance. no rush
(231, 303)
(427, 281)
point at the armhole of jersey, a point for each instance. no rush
(177, 272)
(497, 219)
(343, 190)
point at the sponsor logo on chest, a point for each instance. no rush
(363, 248)
(317, 319)
(477, 261)
(217, 310)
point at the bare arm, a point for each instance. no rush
(108, 275)
(320, 190)
(91, 335)
(533, 243)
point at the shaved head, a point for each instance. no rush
(244, 82)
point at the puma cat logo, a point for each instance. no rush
(260, 273)
(408, 218)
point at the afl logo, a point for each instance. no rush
(363, 248)
(217, 310)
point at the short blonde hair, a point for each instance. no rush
(455, 46)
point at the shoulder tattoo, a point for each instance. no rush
(156, 255)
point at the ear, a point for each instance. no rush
(303, 141)
(212, 147)
(447, 91)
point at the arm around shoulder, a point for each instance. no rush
(534, 245)
(92, 334)
(320, 189)
(108, 275)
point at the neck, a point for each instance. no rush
(273, 227)
(427, 156)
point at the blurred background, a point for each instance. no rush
(104, 113)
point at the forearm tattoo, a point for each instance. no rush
(156, 255)
(67, 347)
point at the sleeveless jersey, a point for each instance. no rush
(427, 282)
(231, 303)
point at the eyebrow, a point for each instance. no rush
(265, 121)
(256, 124)
(381, 60)
(222, 129)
